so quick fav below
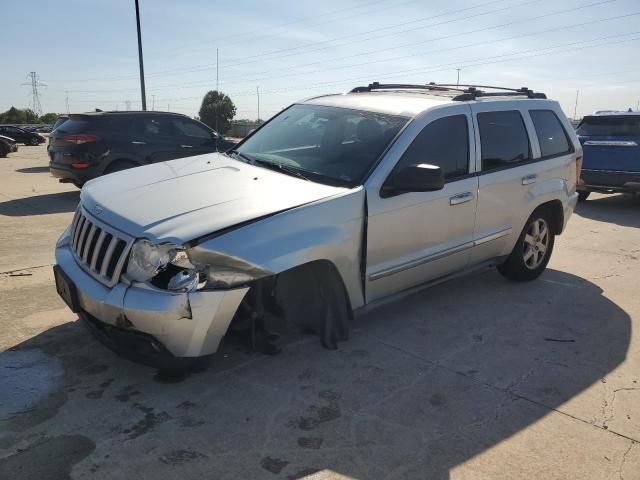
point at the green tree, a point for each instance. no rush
(217, 111)
(49, 118)
(16, 115)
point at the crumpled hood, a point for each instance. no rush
(184, 199)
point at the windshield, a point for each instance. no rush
(627, 126)
(326, 144)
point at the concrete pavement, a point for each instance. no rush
(478, 378)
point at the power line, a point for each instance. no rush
(472, 62)
(445, 37)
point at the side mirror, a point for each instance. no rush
(422, 177)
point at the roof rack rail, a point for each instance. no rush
(468, 92)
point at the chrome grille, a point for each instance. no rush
(100, 250)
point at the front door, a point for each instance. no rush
(416, 237)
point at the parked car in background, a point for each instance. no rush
(337, 202)
(611, 144)
(89, 145)
(21, 136)
(7, 145)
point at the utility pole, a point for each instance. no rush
(638, 106)
(66, 100)
(217, 77)
(153, 102)
(258, 94)
(35, 96)
(128, 104)
(168, 107)
(458, 80)
(142, 92)
(575, 108)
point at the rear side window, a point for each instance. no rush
(148, 126)
(551, 136)
(610, 126)
(445, 143)
(191, 129)
(76, 126)
(503, 139)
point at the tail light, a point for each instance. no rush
(80, 138)
(578, 170)
(80, 165)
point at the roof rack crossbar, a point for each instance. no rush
(468, 92)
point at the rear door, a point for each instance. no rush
(193, 137)
(610, 142)
(505, 174)
(522, 152)
(155, 138)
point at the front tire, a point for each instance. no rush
(532, 251)
(583, 195)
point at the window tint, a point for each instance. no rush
(551, 136)
(609, 126)
(191, 129)
(503, 139)
(151, 127)
(445, 143)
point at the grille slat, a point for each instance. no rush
(99, 249)
(83, 234)
(107, 256)
(87, 243)
(94, 257)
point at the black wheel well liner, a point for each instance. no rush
(556, 213)
(121, 160)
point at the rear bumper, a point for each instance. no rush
(608, 181)
(168, 323)
(66, 173)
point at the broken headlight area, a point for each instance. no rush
(171, 267)
(166, 266)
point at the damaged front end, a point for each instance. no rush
(156, 307)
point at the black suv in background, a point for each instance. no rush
(21, 135)
(88, 145)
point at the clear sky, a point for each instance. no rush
(87, 49)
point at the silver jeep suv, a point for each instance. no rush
(335, 203)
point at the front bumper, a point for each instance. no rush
(185, 324)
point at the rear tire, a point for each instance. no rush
(119, 165)
(582, 195)
(532, 251)
(34, 142)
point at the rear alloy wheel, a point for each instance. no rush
(582, 195)
(532, 251)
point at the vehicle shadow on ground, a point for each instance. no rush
(45, 204)
(33, 170)
(425, 383)
(620, 209)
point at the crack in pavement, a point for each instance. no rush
(505, 391)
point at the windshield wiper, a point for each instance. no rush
(280, 168)
(241, 156)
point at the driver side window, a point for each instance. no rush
(444, 143)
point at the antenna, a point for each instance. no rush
(66, 100)
(35, 96)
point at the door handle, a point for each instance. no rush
(186, 146)
(461, 198)
(135, 142)
(529, 179)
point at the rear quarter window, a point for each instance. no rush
(552, 137)
(77, 126)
